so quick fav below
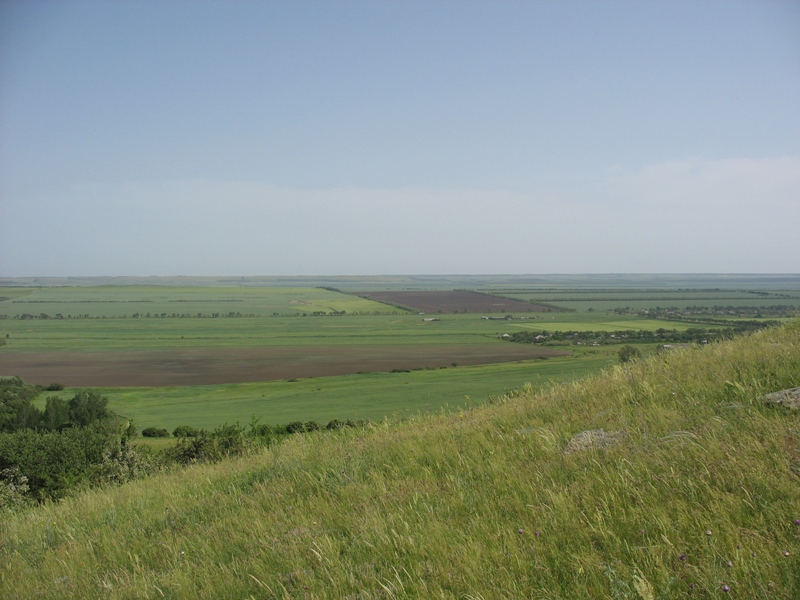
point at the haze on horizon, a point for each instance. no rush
(355, 137)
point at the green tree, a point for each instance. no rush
(56, 413)
(628, 353)
(87, 407)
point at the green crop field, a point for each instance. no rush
(206, 354)
(367, 396)
(99, 335)
(167, 301)
(604, 300)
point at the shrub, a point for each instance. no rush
(13, 488)
(55, 462)
(55, 387)
(183, 431)
(262, 430)
(295, 427)
(226, 440)
(628, 353)
(154, 432)
(312, 426)
(191, 449)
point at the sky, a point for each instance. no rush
(399, 137)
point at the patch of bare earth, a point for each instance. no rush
(200, 366)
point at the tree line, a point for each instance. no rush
(667, 336)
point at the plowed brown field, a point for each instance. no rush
(201, 366)
(453, 302)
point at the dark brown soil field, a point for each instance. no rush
(210, 366)
(454, 302)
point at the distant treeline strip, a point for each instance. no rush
(116, 301)
(164, 315)
(639, 291)
(691, 335)
(633, 299)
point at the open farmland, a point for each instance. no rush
(137, 301)
(635, 300)
(453, 302)
(197, 366)
(322, 399)
(174, 344)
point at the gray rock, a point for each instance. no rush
(594, 439)
(790, 398)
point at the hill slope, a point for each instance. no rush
(696, 493)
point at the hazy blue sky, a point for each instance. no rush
(339, 137)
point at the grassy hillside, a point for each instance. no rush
(697, 494)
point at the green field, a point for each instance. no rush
(605, 300)
(99, 335)
(226, 319)
(370, 396)
(166, 301)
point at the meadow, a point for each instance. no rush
(171, 301)
(686, 487)
(371, 396)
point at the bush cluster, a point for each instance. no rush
(154, 432)
(78, 443)
(50, 464)
(17, 411)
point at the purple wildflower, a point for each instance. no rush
(726, 589)
(682, 557)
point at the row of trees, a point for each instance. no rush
(661, 335)
(17, 411)
(258, 429)
(759, 312)
(174, 315)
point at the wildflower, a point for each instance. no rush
(691, 586)
(708, 532)
(726, 589)
(786, 553)
(537, 533)
(520, 530)
(729, 563)
(797, 521)
(682, 557)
